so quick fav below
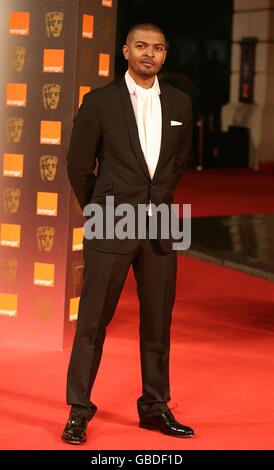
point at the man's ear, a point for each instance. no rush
(125, 51)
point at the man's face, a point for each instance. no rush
(145, 52)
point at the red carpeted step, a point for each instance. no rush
(226, 192)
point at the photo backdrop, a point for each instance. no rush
(54, 51)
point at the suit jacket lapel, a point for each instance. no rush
(165, 126)
(133, 129)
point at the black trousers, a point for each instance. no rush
(104, 277)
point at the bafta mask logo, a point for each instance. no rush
(51, 95)
(18, 58)
(11, 199)
(45, 238)
(48, 167)
(54, 23)
(15, 129)
(8, 269)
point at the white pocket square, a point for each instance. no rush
(175, 123)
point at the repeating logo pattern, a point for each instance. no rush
(46, 133)
(18, 58)
(15, 129)
(13, 164)
(11, 199)
(45, 238)
(16, 94)
(8, 269)
(51, 95)
(48, 167)
(54, 23)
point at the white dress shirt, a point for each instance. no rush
(148, 113)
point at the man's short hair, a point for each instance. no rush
(145, 27)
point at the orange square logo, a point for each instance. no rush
(73, 308)
(19, 23)
(107, 3)
(8, 304)
(10, 235)
(54, 60)
(44, 274)
(77, 239)
(104, 60)
(47, 204)
(50, 132)
(87, 26)
(82, 91)
(13, 164)
(16, 94)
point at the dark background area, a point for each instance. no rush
(199, 34)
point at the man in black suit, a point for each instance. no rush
(139, 131)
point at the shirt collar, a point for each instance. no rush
(131, 84)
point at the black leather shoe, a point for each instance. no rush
(167, 424)
(75, 431)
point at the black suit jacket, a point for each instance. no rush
(105, 129)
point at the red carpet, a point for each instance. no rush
(222, 362)
(226, 192)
